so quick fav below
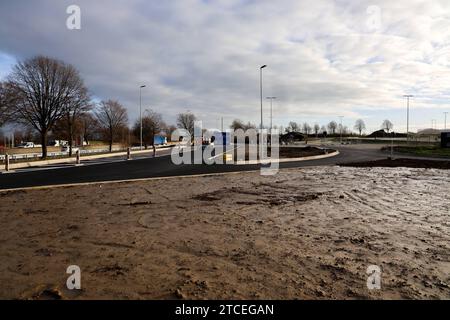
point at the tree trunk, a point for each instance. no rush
(153, 143)
(70, 138)
(44, 144)
(86, 136)
(152, 137)
(110, 140)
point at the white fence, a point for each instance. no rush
(33, 156)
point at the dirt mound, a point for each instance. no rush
(408, 163)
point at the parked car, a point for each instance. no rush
(58, 143)
(67, 149)
(26, 145)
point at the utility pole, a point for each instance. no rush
(221, 124)
(140, 110)
(407, 96)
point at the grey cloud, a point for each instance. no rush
(204, 55)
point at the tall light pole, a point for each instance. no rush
(407, 96)
(261, 92)
(140, 111)
(341, 128)
(445, 120)
(271, 101)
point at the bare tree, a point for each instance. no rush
(306, 128)
(293, 127)
(112, 117)
(24, 133)
(6, 103)
(89, 126)
(249, 125)
(72, 113)
(316, 129)
(168, 130)
(387, 125)
(186, 121)
(44, 88)
(238, 124)
(360, 126)
(152, 123)
(332, 126)
(343, 129)
(70, 125)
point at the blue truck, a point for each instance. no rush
(159, 140)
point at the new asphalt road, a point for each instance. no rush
(114, 169)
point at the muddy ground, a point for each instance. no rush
(301, 234)
(402, 162)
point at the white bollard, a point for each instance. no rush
(78, 157)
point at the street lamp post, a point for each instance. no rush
(271, 101)
(445, 120)
(261, 93)
(140, 112)
(407, 96)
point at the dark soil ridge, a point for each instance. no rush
(402, 162)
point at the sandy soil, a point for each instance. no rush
(304, 233)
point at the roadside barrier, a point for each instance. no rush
(7, 162)
(78, 157)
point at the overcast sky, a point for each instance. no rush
(325, 58)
